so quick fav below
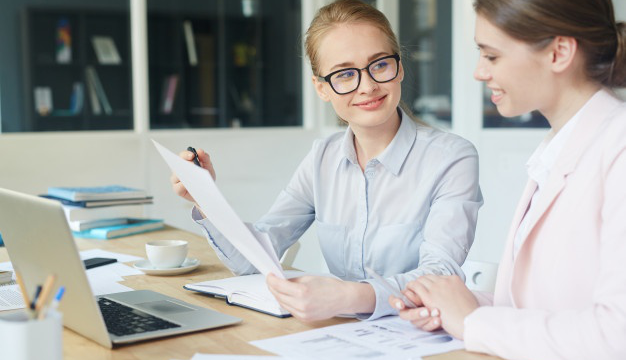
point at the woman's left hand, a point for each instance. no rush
(450, 296)
(311, 298)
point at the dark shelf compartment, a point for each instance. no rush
(43, 69)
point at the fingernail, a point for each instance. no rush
(436, 321)
(424, 313)
(399, 305)
(434, 313)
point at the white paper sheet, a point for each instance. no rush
(88, 254)
(102, 280)
(202, 188)
(11, 297)
(237, 357)
(386, 338)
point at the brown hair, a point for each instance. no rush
(591, 22)
(349, 12)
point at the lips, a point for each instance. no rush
(371, 104)
(496, 95)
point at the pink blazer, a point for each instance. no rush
(564, 295)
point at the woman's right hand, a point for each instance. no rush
(420, 316)
(205, 163)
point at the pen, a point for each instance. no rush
(45, 293)
(55, 302)
(390, 288)
(37, 292)
(195, 157)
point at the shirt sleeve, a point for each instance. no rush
(595, 332)
(449, 228)
(289, 217)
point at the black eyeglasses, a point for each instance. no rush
(381, 70)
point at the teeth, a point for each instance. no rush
(369, 103)
(497, 92)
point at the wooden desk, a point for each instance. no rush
(228, 340)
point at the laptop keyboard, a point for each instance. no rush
(122, 320)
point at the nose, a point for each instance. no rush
(367, 83)
(481, 73)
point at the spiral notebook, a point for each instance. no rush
(248, 291)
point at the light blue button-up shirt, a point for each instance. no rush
(412, 211)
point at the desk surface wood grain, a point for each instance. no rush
(228, 340)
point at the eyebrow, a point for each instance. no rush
(351, 64)
(485, 47)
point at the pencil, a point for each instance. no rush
(20, 282)
(45, 293)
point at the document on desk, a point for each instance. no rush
(102, 280)
(203, 189)
(386, 338)
(240, 357)
(10, 297)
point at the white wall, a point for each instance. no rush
(252, 166)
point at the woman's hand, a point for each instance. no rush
(205, 162)
(421, 316)
(312, 298)
(448, 297)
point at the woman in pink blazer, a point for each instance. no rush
(561, 286)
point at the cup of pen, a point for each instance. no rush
(24, 337)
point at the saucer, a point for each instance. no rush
(188, 265)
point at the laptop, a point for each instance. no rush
(39, 242)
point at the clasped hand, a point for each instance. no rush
(442, 301)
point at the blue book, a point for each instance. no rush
(100, 203)
(96, 193)
(134, 226)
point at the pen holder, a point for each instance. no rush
(22, 338)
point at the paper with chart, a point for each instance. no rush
(386, 338)
(202, 188)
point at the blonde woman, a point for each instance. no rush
(389, 193)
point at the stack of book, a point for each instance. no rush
(104, 212)
(6, 276)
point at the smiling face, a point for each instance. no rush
(519, 76)
(372, 105)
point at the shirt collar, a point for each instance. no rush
(394, 155)
(544, 158)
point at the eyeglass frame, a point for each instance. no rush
(327, 78)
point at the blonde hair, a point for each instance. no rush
(348, 12)
(344, 12)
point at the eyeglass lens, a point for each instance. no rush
(381, 71)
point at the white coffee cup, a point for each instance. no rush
(166, 254)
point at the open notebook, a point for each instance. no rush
(248, 291)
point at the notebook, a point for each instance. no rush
(248, 291)
(39, 243)
(96, 193)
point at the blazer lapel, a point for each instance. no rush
(502, 292)
(593, 117)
